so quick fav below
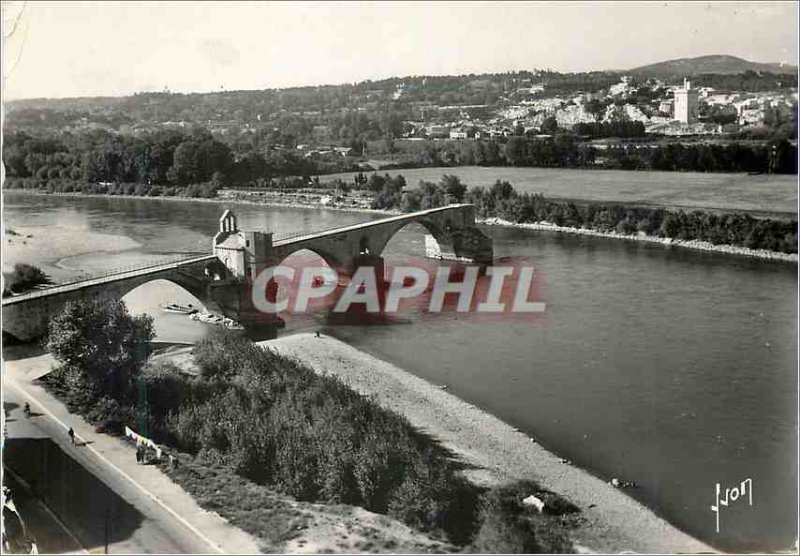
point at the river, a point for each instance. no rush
(671, 368)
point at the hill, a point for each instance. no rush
(717, 64)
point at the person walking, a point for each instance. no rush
(71, 434)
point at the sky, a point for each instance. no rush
(69, 49)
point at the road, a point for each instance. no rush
(94, 502)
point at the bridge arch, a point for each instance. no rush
(305, 255)
(27, 316)
(334, 261)
(199, 296)
(440, 233)
(191, 288)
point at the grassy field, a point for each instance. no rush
(769, 194)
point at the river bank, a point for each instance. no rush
(494, 451)
(670, 242)
(725, 249)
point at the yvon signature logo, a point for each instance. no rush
(731, 495)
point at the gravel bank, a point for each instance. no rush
(614, 521)
(690, 244)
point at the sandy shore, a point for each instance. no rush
(614, 522)
(39, 246)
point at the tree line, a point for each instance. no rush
(501, 200)
(567, 150)
(196, 163)
(164, 158)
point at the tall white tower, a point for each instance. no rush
(686, 103)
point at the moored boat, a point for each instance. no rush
(171, 307)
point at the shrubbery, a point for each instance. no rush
(276, 422)
(732, 229)
(509, 526)
(279, 423)
(23, 277)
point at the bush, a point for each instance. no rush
(221, 354)
(508, 526)
(24, 277)
(278, 423)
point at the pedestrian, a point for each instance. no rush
(139, 454)
(317, 333)
(27, 409)
(71, 434)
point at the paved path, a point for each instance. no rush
(171, 521)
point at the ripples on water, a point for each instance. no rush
(667, 367)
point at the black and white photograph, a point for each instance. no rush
(399, 277)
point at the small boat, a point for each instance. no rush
(231, 324)
(170, 307)
(205, 317)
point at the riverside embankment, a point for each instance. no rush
(494, 451)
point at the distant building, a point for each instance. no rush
(686, 103)
(621, 88)
(441, 131)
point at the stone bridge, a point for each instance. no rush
(26, 316)
(220, 279)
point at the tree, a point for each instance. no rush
(103, 341)
(549, 125)
(196, 159)
(502, 190)
(516, 151)
(452, 186)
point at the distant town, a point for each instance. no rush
(566, 120)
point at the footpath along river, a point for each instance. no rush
(668, 367)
